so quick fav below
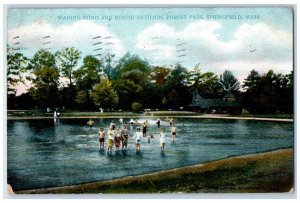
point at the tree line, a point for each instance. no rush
(132, 82)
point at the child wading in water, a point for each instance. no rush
(162, 140)
(138, 137)
(145, 128)
(111, 135)
(90, 123)
(101, 135)
(124, 138)
(118, 139)
(173, 132)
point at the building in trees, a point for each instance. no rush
(227, 104)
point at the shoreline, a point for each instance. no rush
(245, 173)
(157, 116)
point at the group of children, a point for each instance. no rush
(120, 136)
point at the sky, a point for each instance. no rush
(238, 39)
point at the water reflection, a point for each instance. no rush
(67, 151)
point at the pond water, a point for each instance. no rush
(47, 153)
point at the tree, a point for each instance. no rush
(45, 79)
(136, 107)
(104, 95)
(229, 82)
(251, 80)
(68, 59)
(16, 66)
(177, 87)
(127, 91)
(159, 75)
(270, 93)
(205, 82)
(89, 74)
(81, 98)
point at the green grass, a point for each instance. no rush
(260, 173)
(36, 113)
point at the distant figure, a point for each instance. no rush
(55, 114)
(158, 123)
(138, 137)
(110, 140)
(162, 140)
(145, 128)
(118, 139)
(101, 135)
(124, 137)
(171, 121)
(121, 121)
(112, 125)
(131, 121)
(173, 132)
(90, 123)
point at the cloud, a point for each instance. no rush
(252, 46)
(79, 35)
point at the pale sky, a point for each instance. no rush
(236, 39)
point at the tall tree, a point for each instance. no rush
(229, 82)
(68, 59)
(104, 95)
(16, 67)
(45, 79)
(205, 82)
(251, 80)
(89, 74)
(159, 75)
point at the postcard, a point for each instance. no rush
(150, 100)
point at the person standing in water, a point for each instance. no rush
(124, 138)
(111, 135)
(101, 135)
(121, 121)
(117, 139)
(158, 123)
(131, 121)
(162, 140)
(173, 132)
(90, 123)
(138, 137)
(112, 125)
(145, 128)
(171, 121)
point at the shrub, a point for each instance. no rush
(136, 107)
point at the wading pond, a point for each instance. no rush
(49, 153)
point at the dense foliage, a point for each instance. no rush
(131, 83)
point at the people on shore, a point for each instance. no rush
(90, 123)
(110, 140)
(118, 139)
(162, 140)
(173, 130)
(138, 137)
(121, 121)
(101, 135)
